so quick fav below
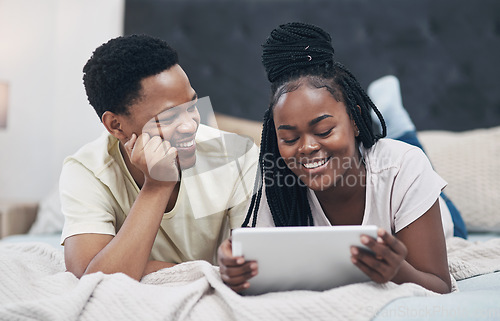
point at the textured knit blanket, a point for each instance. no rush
(35, 286)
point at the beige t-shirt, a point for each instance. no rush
(97, 192)
(400, 187)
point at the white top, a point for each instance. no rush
(400, 187)
(97, 192)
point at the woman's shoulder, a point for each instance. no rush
(390, 153)
(392, 146)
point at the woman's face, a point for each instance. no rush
(316, 138)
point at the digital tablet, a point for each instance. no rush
(301, 258)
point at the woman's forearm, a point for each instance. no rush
(407, 273)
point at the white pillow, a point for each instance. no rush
(470, 162)
(49, 219)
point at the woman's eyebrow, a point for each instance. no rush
(289, 127)
(318, 119)
(311, 123)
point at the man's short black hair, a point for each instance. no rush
(113, 74)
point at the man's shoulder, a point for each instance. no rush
(96, 154)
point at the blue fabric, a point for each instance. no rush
(459, 228)
(477, 299)
(478, 305)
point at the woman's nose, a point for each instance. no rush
(308, 146)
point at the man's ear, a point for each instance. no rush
(113, 125)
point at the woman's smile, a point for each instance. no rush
(319, 147)
(316, 164)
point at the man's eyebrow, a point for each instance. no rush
(195, 97)
(318, 119)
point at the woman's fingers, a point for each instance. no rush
(225, 255)
(237, 277)
(372, 273)
(378, 269)
(247, 269)
(396, 245)
(240, 287)
(384, 260)
(238, 274)
(386, 247)
(235, 271)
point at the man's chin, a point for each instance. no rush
(187, 162)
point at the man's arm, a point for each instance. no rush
(127, 252)
(153, 266)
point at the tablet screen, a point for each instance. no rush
(301, 258)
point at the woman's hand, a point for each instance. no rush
(235, 271)
(384, 263)
(154, 157)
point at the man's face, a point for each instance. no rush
(167, 108)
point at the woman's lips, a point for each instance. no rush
(316, 164)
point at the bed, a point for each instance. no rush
(34, 284)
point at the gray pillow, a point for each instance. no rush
(470, 162)
(49, 219)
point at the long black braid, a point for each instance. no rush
(294, 54)
(281, 197)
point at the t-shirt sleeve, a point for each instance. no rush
(84, 203)
(416, 188)
(243, 189)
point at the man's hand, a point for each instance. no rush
(155, 157)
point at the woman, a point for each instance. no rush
(323, 164)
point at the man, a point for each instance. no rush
(157, 188)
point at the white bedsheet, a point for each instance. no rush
(34, 285)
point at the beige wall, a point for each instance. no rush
(43, 47)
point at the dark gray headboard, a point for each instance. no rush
(445, 52)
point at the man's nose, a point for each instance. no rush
(187, 124)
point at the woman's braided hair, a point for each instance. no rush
(293, 54)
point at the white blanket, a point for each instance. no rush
(34, 285)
